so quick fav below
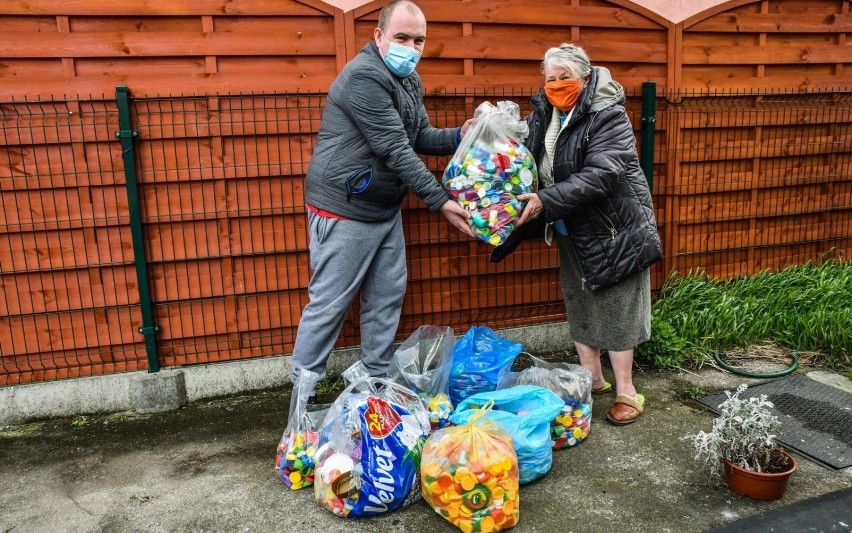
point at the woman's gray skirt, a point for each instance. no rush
(616, 318)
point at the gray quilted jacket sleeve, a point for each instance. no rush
(372, 109)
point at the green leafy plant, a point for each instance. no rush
(804, 308)
(743, 433)
(666, 347)
(79, 422)
(691, 391)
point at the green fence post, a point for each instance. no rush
(126, 135)
(649, 119)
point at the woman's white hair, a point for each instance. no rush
(569, 57)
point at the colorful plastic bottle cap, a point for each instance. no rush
(478, 221)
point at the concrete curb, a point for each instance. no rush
(121, 392)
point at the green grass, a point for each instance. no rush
(690, 391)
(806, 308)
(330, 386)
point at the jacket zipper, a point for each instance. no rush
(591, 123)
(606, 221)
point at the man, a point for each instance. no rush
(364, 162)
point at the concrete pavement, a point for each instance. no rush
(209, 467)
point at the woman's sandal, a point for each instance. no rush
(603, 389)
(626, 410)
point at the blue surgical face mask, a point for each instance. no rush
(401, 60)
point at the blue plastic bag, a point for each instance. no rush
(478, 358)
(525, 412)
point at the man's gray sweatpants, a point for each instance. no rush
(347, 255)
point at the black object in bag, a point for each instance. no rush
(533, 229)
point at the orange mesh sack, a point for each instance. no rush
(469, 475)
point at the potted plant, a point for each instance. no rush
(742, 445)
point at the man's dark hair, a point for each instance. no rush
(388, 10)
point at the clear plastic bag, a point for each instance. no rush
(469, 475)
(355, 372)
(294, 458)
(422, 363)
(573, 384)
(490, 168)
(369, 457)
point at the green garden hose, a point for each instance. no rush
(793, 366)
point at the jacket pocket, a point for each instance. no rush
(359, 181)
(605, 221)
(321, 227)
(375, 187)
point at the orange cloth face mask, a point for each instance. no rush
(563, 94)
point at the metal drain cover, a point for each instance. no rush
(816, 419)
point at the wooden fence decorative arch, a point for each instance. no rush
(500, 44)
(767, 44)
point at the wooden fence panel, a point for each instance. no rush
(67, 331)
(761, 182)
(65, 290)
(742, 182)
(51, 365)
(208, 47)
(70, 295)
(222, 186)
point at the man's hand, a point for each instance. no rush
(458, 216)
(533, 208)
(466, 126)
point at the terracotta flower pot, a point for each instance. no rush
(759, 485)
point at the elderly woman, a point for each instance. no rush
(594, 198)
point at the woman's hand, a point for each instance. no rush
(532, 210)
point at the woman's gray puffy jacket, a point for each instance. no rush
(599, 190)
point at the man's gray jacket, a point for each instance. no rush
(372, 129)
